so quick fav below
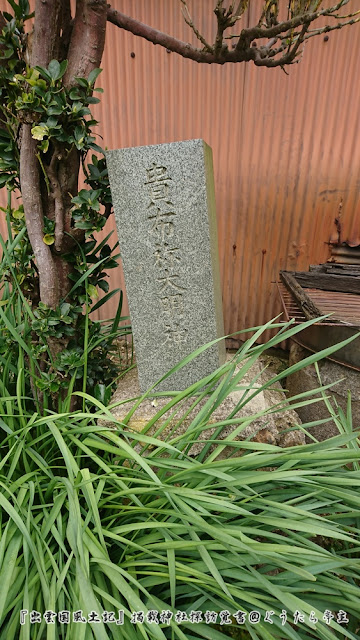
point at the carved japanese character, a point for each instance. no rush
(157, 173)
(172, 305)
(169, 283)
(162, 229)
(175, 335)
(166, 257)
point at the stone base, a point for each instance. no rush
(306, 379)
(271, 429)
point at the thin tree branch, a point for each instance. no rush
(242, 6)
(56, 194)
(184, 49)
(190, 23)
(222, 17)
(349, 15)
(31, 197)
(286, 59)
(340, 25)
(253, 33)
(244, 50)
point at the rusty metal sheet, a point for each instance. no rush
(345, 323)
(318, 337)
(344, 307)
(285, 147)
(344, 254)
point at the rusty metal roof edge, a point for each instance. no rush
(316, 324)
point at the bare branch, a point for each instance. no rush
(291, 33)
(142, 30)
(222, 17)
(349, 15)
(242, 6)
(190, 23)
(287, 58)
(56, 194)
(328, 28)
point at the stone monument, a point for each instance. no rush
(164, 203)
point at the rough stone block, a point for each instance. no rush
(164, 205)
(263, 422)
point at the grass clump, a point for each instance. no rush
(97, 519)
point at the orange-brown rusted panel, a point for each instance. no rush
(286, 151)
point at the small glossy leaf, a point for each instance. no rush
(93, 75)
(48, 239)
(92, 291)
(96, 147)
(74, 95)
(54, 69)
(43, 72)
(63, 67)
(54, 111)
(65, 308)
(104, 285)
(39, 131)
(82, 82)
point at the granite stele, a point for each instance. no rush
(164, 205)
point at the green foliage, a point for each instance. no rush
(86, 348)
(59, 114)
(9, 160)
(101, 518)
(86, 213)
(90, 270)
(61, 123)
(55, 323)
(12, 47)
(18, 263)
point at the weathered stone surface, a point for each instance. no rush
(164, 204)
(278, 428)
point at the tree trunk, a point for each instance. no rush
(47, 187)
(82, 42)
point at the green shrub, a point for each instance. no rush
(87, 355)
(100, 519)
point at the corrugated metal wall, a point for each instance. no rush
(286, 147)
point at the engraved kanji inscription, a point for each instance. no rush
(158, 184)
(175, 335)
(166, 257)
(162, 230)
(173, 305)
(157, 173)
(169, 283)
